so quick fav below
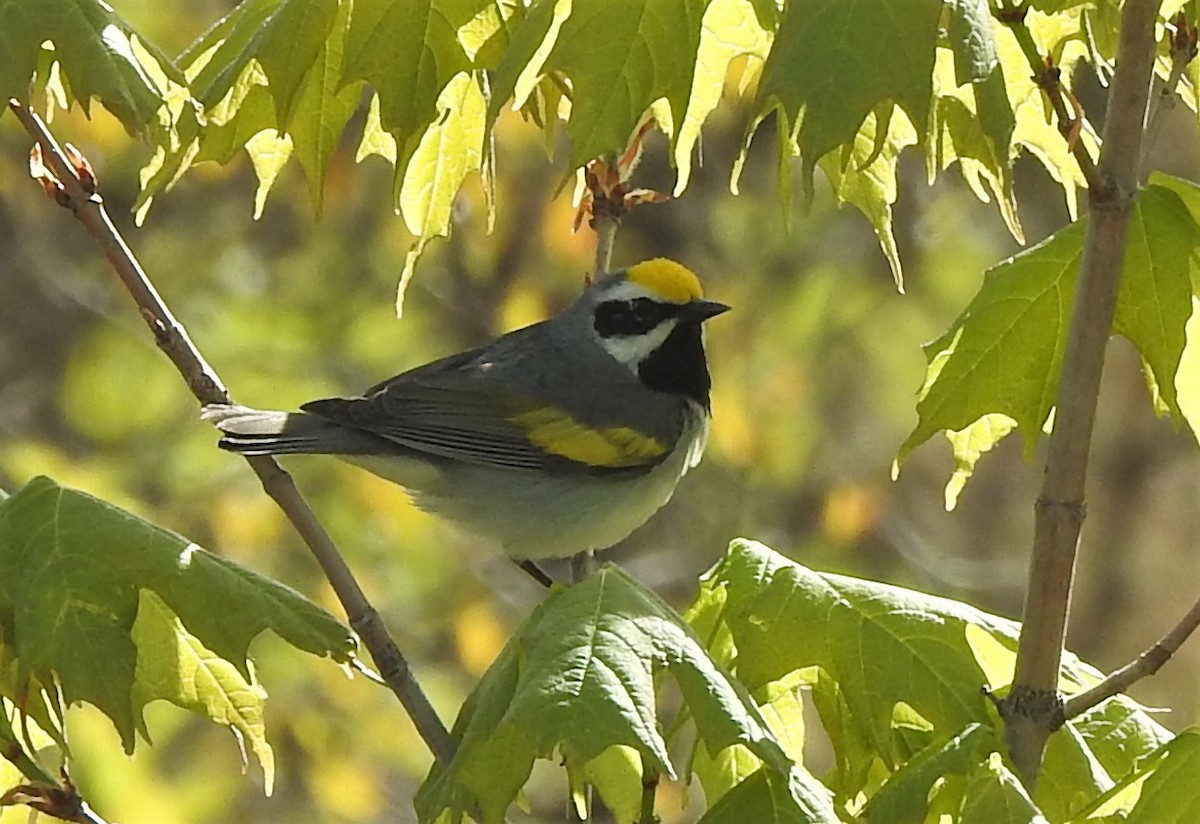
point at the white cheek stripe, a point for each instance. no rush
(628, 290)
(632, 350)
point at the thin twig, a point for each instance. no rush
(1033, 708)
(15, 754)
(57, 799)
(606, 235)
(1148, 663)
(88, 208)
(1048, 77)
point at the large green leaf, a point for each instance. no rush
(897, 679)
(1000, 360)
(72, 572)
(993, 795)
(909, 789)
(784, 618)
(1004, 353)
(835, 61)
(409, 50)
(1171, 794)
(95, 48)
(579, 677)
(621, 56)
(267, 78)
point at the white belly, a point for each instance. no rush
(530, 515)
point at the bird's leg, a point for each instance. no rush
(535, 572)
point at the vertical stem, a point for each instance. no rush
(650, 779)
(606, 235)
(1033, 709)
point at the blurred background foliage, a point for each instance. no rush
(815, 374)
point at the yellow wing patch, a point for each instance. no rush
(671, 280)
(559, 434)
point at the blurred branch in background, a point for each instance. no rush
(72, 184)
(1182, 44)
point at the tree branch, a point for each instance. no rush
(606, 235)
(204, 383)
(1148, 663)
(1033, 709)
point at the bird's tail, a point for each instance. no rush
(262, 432)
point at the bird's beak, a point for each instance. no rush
(704, 309)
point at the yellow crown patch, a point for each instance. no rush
(673, 281)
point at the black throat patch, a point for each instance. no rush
(678, 365)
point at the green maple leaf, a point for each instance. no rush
(620, 57)
(579, 677)
(267, 78)
(835, 61)
(1170, 792)
(897, 679)
(100, 55)
(118, 612)
(1001, 359)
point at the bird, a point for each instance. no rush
(551, 440)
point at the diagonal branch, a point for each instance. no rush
(204, 383)
(1148, 663)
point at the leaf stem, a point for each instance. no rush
(650, 779)
(606, 235)
(15, 754)
(1049, 79)
(1033, 708)
(204, 383)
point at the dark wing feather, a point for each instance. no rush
(479, 422)
(462, 408)
(451, 409)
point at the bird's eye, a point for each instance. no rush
(627, 317)
(644, 310)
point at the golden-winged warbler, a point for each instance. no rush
(554, 439)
